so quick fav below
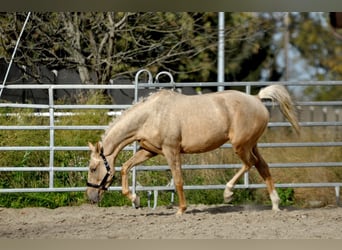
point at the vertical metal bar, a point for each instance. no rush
(337, 191)
(155, 200)
(52, 138)
(246, 175)
(220, 50)
(136, 81)
(337, 119)
(286, 45)
(134, 171)
(135, 145)
(248, 89)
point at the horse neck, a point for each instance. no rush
(121, 133)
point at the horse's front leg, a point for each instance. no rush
(139, 157)
(178, 180)
(174, 161)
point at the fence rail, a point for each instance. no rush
(53, 113)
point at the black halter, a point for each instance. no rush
(102, 185)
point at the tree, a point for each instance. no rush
(111, 45)
(63, 40)
(313, 37)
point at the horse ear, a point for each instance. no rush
(98, 147)
(91, 146)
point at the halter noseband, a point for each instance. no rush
(102, 185)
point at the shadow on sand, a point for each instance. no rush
(217, 209)
(214, 209)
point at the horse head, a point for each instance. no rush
(100, 175)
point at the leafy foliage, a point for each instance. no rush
(111, 45)
(118, 44)
(312, 36)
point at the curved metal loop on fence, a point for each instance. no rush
(137, 75)
(169, 75)
(136, 81)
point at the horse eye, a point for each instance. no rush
(93, 169)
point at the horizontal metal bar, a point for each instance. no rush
(19, 105)
(305, 124)
(58, 114)
(319, 103)
(101, 127)
(16, 127)
(102, 106)
(239, 186)
(183, 84)
(172, 188)
(293, 144)
(238, 165)
(299, 144)
(125, 106)
(83, 148)
(42, 190)
(56, 148)
(239, 84)
(43, 169)
(46, 169)
(76, 127)
(24, 148)
(128, 148)
(65, 106)
(81, 127)
(184, 167)
(68, 86)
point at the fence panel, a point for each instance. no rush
(312, 114)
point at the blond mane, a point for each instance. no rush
(141, 101)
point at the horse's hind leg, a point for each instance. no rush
(228, 193)
(139, 157)
(264, 171)
(247, 157)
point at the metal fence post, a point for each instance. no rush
(246, 174)
(337, 192)
(52, 138)
(135, 145)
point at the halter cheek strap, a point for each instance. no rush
(104, 160)
(102, 185)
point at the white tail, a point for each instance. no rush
(278, 93)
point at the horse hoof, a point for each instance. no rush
(227, 200)
(180, 212)
(136, 201)
(228, 196)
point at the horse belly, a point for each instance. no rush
(198, 140)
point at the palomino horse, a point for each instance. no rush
(171, 124)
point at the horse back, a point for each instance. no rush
(201, 123)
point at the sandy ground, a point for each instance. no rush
(200, 221)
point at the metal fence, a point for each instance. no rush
(53, 111)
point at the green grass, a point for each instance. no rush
(48, 200)
(33, 179)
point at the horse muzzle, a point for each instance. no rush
(94, 195)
